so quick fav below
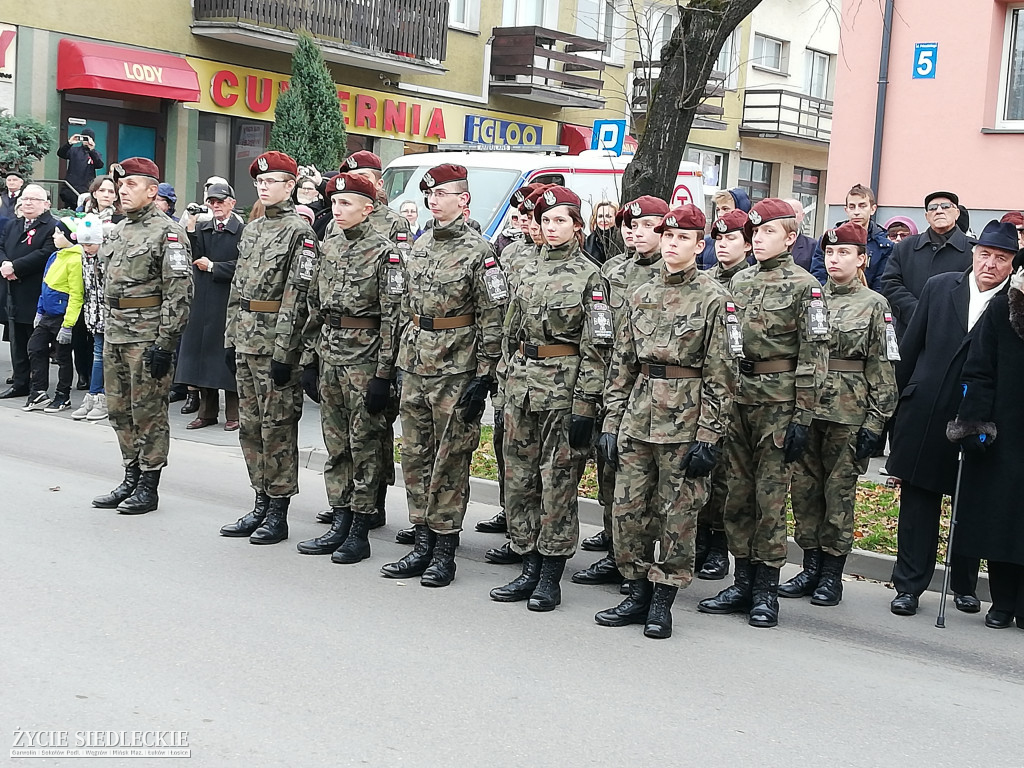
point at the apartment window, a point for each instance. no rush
(756, 179)
(712, 164)
(806, 182)
(598, 20)
(1011, 77)
(529, 13)
(817, 66)
(728, 60)
(659, 31)
(770, 53)
(464, 14)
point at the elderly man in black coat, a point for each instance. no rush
(24, 251)
(940, 248)
(933, 351)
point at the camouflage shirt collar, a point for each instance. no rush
(450, 230)
(141, 213)
(561, 252)
(279, 210)
(684, 275)
(645, 260)
(775, 262)
(728, 272)
(841, 290)
(359, 231)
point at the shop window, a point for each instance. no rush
(756, 179)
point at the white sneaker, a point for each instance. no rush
(99, 408)
(85, 407)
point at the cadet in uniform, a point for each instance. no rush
(731, 235)
(554, 371)
(454, 301)
(148, 292)
(785, 355)
(266, 313)
(858, 398)
(625, 272)
(668, 403)
(351, 340)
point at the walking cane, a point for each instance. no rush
(940, 620)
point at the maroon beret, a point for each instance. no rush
(847, 233)
(273, 162)
(530, 201)
(683, 217)
(732, 221)
(520, 195)
(1013, 217)
(554, 196)
(620, 215)
(351, 182)
(135, 166)
(443, 174)
(361, 159)
(770, 209)
(646, 205)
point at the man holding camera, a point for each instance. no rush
(83, 162)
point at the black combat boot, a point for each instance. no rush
(548, 592)
(145, 497)
(632, 610)
(406, 536)
(496, 524)
(441, 571)
(659, 617)
(603, 571)
(250, 521)
(701, 545)
(735, 598)
(123, 491)
(599, 542)
(830, 583)
(716, 565)
(325, 544)
(503, 555)
(764, 610)
(356, 546)
(416, 562)
(803, 583)
(379, 518)
(275, 524)
(325, 516)
(521, 587)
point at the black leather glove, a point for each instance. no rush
(581, 431)
(795, 442)
(867, 444)
(608, 448)
(976, 443)
(311, 381)
(378, 394)
(229, 360)
(158, 361)
(499, 419)
(280, 372)
(472, 400)
(700, 459)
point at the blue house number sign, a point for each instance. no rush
(925, 60)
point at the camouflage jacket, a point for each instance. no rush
(723, 275)
(351, 280)
(514, 259)
(625, 272)
(388, 223)
(450, 272)
(677, 319)
(147, 254)
(857, 320)
(276, 259)
(560, 299)
(777, 298)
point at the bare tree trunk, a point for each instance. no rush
(686, 63)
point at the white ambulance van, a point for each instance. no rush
(494, 175)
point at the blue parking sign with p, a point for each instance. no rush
(608, 134)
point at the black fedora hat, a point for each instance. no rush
(998, 234)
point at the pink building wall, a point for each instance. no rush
(933, 128)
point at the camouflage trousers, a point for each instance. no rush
(437, 447)
(758, 478)
(137, 405)
(352, 436)
(655, 503)
(268, 432)
(542, 516)
(824, 488)
(712, 514)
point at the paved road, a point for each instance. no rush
(269, 658)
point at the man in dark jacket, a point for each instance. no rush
(13, 182)
(860, 207)
(23, 254)
(83, 162)
(933, 352)
(940, 248)
(725, 200)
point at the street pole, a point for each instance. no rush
(883, 88)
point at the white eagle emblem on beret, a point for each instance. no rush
(340, 183)
(549, 197)
(262, 163)
(755, 217)
(428, 179)
(635, 209)
(671, 222)
(721, 225)
(351, 162)
(832, 236)
(529, 204)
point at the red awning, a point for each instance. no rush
(113, 69)
(577, 138)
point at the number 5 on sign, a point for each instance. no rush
(926, 57)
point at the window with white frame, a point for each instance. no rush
(464, 14)
(1011, 75)
(770, 53)
(601, 20)
(816, 67)
(662, 22)
(729, 60)
(529, 13)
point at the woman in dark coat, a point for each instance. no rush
(604, 240)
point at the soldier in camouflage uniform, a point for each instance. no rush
(785, 357)
(858, 398)
(350, 341)
(454, 301)
(148, 292)
(266, 313)
(625, 272)
(557, 324)
(668, 402)
(731, 234)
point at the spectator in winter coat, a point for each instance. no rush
(860, 207)
(725, 200)
(91, 232)
(83, 162)
(13, 182)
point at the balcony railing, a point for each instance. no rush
(412, 30)
(543, 65)
(774, 114)
(645, 80)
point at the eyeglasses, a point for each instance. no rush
(440, 194)
(267, 182)
(34, 200)
(939, 206)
